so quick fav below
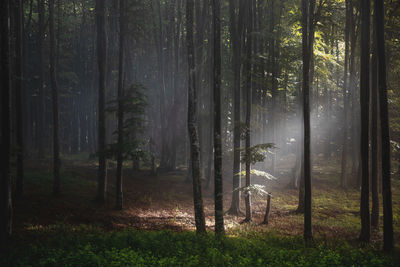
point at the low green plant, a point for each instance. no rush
(64, 245)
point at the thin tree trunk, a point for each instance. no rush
(218, 186)
(364, 100)
(5, 178)
(102, 64)
(41, 128)
(192, 125)
(19, 77)
(388, 242)
(54, 86)
(119, 193)
(343, 177)
(307, 20)
(267, 210)
(248, 110)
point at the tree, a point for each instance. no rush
(307, 40)
(218, 189)
(343, 177)
(388, 242)
(364, 100)
(5, 178)
(236, 28)
(54, 86)
(374, 137)
(40, 130)
(249, 28)
(192, 125)
(102, 65)
(119, 194)
(19, 77)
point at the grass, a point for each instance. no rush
(60, 230)
(66, 245)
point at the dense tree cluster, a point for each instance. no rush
(213, 87)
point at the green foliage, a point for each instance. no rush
(254, 189)
(86, 246)
(134, 104)
(256, 153)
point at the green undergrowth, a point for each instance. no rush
(64, 245)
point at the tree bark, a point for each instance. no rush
(192, 125)
(19, 77)
(119, 193)
(248, 109)
(218, 186)
(388, 242)
(343, 177)
(374, 137)
(236, 28)
(102, 65)
(54, 91)
(41, 120)
(364, 100)
(267, 210)
(307, 21)
(5, 178)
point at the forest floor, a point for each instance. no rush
(165, 202)
(156, 226)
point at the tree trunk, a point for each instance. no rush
(236, 27)
(5, 178)
(248, 110)
(192, 125)
(102, 64)
(307, 21)
(364, 100)
(19, 77)
(218, 189)
(388, 242)
(41, 120)
(374, 138)
(54, 90)
(343, 177)
(119, 194)
(267, 210)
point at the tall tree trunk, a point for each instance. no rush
(102, 64)
(119, 194)
(19, 77)
(307, 21)
(5, 178)
(374, 137)
(218, 189)
(236, 27)
(274, 88)
(388, 242)
(41, 120)
(192, 125)
(248, 109)
(364, 100)
(343, 177)
(54, 90)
